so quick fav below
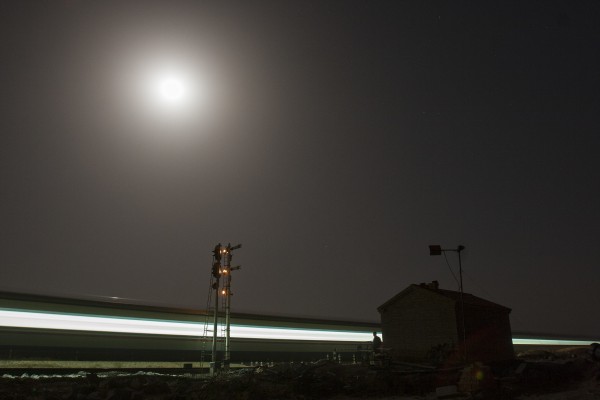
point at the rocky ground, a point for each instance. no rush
(567, 375)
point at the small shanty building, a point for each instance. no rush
(424, 323)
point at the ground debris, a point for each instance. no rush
(576, 378)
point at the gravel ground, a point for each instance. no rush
(568, 376)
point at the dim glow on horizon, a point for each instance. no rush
(90, 323)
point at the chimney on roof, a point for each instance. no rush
(435, 285)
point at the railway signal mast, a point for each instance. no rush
(221, 267)
(227, 268)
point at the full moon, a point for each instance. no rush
(171, 89)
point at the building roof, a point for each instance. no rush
(452, 295)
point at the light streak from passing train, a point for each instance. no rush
(40, 320)
(551, 342)
(92, 323)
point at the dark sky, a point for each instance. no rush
(335, 141)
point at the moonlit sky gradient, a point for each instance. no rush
(334, 140)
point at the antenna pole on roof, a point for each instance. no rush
(436, 250)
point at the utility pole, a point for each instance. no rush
(462, 301)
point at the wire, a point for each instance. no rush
(472, 280)
(450, 268)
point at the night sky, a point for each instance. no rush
(335, 140)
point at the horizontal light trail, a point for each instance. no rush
(551, 342)
(39, 320)
(89, 323)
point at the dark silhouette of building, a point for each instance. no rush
(424, 323)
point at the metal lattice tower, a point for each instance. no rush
(221, 268)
